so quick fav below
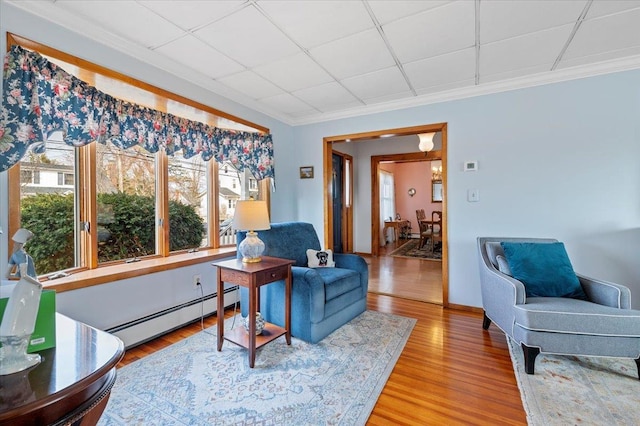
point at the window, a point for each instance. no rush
(114, 204)
(387, 200)
(65, 179)
(49, 208)
(188, 192)
(233, 185)
(126, 203)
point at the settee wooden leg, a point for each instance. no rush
(486, 321)
(530, 355)
(638, 365)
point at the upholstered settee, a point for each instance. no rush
(323, 298)
(592, 318)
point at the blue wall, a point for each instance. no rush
(559, 160)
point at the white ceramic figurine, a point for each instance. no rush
(19, 319)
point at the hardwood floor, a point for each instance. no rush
(415, 279)
(450, 372)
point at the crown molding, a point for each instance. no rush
(539, 79)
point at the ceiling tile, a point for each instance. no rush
(251, 84)
(390, 97)
(443, 88)
(443, 69)
(248, 37)
(294, 72)
(357, 54)
(193, 53)
(287, 104)
(377, 84)
(541, 47)
(601, 8)
(505, 19)
(390, 10)
(312, 23)
(193, 13)
(600, 57)
(434, 32)
(128, 19)
(520, 72)
(326, 96)
(622, 30)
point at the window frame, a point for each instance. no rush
(86, 174)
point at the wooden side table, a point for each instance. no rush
(252, 276)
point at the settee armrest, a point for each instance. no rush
(355, 263)
(606, 293)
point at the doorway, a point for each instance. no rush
(341, 190)
(373, 219)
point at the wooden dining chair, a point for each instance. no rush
(423, 224)
(436, 229)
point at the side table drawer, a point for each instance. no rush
(235, 277)
(271, 276)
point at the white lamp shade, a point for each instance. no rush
(251, 215)
(426, 141)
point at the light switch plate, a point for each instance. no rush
(473, 195)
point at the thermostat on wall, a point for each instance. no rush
(470, 166)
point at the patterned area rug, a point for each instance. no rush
(411, 249)
(336, 381)
(570, 390)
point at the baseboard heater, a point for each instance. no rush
(147, 328)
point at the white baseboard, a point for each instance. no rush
(145, 329)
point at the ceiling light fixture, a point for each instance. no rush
(426, 141)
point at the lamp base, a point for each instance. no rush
(251, 248)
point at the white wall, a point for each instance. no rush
(559, 161)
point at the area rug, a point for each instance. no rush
(411, 249)
(336, 381)
(571, 390)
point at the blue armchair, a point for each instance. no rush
(323, 299)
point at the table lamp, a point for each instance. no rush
(251, 216)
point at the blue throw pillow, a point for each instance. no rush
(544, 269)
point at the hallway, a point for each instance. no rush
(414, 279)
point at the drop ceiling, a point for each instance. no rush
(311, 61)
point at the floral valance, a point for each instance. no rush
(39, 98)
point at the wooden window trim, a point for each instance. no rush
(121, 271)
(90, 273)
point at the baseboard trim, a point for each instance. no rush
(144, 329)
(464, 308)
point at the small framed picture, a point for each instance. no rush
(306, 172)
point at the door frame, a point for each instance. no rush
(375, 213)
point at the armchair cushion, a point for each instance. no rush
(543, 268)
(572, 316)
